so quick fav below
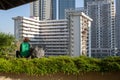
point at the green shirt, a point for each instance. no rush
(24, 49)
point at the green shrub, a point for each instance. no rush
(40, 66)
(64, 64)
(19, 65)
(7, 44)
(110, 64)
(5, 65)
(86, 64)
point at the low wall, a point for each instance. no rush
(61, 76)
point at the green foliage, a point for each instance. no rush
(5, 40)
(86, 64)
(5, 65)
(6, 44)
(40, 66)
(110, 64)
(64, 64)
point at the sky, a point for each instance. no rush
(6, 22)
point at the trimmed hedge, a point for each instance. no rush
(65, 64)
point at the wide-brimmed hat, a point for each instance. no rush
(26, 39)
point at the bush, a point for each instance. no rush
(5, 65)
(85, 64)
(64, 64)
(110, 64)
(6, 44)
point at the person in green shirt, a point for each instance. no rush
(24, 48)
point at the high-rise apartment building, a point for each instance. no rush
(102, 28)
(118, 26)
(79, 32)
(55, 35)
(50, 9)
(86, 1)
(77, 10)
(43, 9)
(64, 4)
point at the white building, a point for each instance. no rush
(102, 28)
(56, 36)
(79, 30)
(50, 34)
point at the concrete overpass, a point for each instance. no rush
(8, 4)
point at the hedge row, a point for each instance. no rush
(63, 64)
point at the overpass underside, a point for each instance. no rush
(8, 4)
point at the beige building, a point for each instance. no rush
(79, 31)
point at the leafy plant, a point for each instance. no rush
(110, 64)
(60, 64)
(7, 44)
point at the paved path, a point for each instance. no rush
(5, 78)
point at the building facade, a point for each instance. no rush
(79, 31)
(86, 2)
(56, 36)
(102, 28)
(75, 11)
(52, 35)
(118, 26)
(50, 9)
(43, 9)
(64, 4)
